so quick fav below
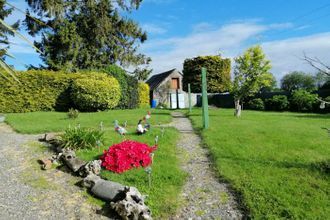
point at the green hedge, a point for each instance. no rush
(95, 92)
(38, 90)
(144, 97)
(129, 87)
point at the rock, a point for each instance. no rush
(46, 164)
(103, 189)
(92, 167)
(132, 207)
(69, 158)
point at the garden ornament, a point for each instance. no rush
(119, 129)
(140, 129)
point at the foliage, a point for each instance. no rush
(322, 81)
(81, 138)
(218, 73)
(298, 80)
(73, 113)
(251, 73)
(256, 104)
(142, 74)
(266, 157)
(277, 103)
(98, 93)
(127, 155)
(86, 34)
(302, 100)
(144, 96)
(37, 91)
(128, 85)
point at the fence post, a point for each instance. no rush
(205, 106)
(189, 97)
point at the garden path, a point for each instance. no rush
(203, 196)
(26, 192)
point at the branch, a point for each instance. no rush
(314, 62)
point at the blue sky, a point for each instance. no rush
(179, 29)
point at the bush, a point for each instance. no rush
(73, 113)
(81, 138)
(37, 91)
(277, 103)
(256, 104)
(302, 101)
(144, 98)
(97, 92)
(128, 85)
(218, 73)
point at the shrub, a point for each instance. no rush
(73, 113)
(256, 104)
(144, 98)
(127, 155)
(37, 91)
(302, 100)
(277, 103)
(128, 85)
(218, 73)
(95, 93)
(81, 138)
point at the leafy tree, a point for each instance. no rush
(218, 73)
(89, 34)
(302, 100)
(251, 73)
(298, 80)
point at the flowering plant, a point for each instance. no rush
(127, 155)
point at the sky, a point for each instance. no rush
(181, 29)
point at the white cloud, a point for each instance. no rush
(154, 29)
(231, 40)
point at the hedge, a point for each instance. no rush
(95, 92)
(218, 73)
(144, 98)
(129, 87)
(38, 90)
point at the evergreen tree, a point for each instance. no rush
(86, 34)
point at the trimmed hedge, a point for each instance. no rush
(144, 98)
(38, 90)
(218, 73)
(95, 92)
(129, 87)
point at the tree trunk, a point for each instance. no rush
(238, 108)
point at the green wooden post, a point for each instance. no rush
(189, 97)
(205, 106)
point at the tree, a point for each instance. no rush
(322, 81)
(89, 34)
(218, 73)
(298, 80)
(251, 73)
(5, 30)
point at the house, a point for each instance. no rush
(166, 89)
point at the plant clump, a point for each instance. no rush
(81, 138)
(73, 113)
(127, 155)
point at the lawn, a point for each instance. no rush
(167, 177)
(271, 160)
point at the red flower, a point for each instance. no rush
(127, 155)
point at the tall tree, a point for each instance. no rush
(251, 73)
(87, 34)
(298, 80)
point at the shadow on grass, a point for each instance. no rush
(316, 116)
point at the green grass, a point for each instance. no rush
(40, 122)
(268, 159)
(167, 177)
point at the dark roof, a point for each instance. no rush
(157, 79)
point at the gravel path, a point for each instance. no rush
(26, 192)
(203, 196)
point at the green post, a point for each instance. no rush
(204, 100)
(189, 97)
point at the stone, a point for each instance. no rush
(69, 158)
(92, 167)
(46, 164)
